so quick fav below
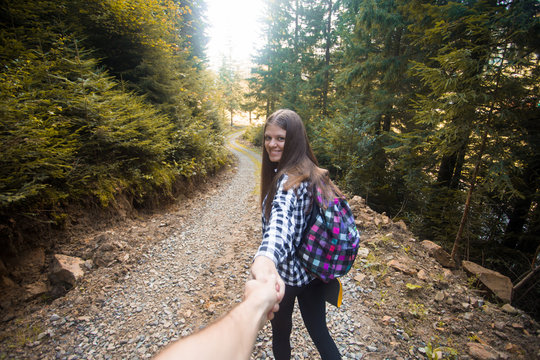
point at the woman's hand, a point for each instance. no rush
(264, 268)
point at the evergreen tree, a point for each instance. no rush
(192, 29)
(429, 111)
(293, 68)
(71, 131)
(229, 81)
(269, 75)
(476, 102)
(374, 92)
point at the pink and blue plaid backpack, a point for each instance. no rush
(330, 242)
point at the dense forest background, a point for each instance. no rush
(100, 99)
(430, 110)
(427, 109)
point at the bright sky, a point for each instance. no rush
(233, 28)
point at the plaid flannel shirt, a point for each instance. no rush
(282, 232)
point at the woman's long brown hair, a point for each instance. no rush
(297, 161)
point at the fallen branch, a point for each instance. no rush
(526, 279)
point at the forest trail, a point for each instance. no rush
(191, 272)
(177, 271)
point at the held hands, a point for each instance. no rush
(262, 295)
(267, 283)
(263, 268)
(232, 336)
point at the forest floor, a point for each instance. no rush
(172, 272)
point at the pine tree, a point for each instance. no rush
(293, 68)
(475, 99)
(70, 130)
(374, 92)
(229, 81)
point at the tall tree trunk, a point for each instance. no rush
(521, 207)
(379, 124)
(479, 161)
(446, 169)
(456, 178)
(296, 60)
(296, 27)
(451, 166)
(518, 217)
(326, 84)
(387, 122)
(469, 196)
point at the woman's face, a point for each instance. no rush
(274, 141)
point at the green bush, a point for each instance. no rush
(254, 134)
(71, 131)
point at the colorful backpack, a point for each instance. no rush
(330, 242)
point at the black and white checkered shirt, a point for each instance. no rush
(283, 231)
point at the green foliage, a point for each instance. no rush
(38, 146)
(196, 150)
(382, 300)
(413, 287)
(421, 93)
(473, 94)
(254, 134)
(69, 130)
(434, 352)
(26, 335)
(472, 282)
(375, 266)
(417, 310)
(74, 127)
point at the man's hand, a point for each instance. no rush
(263, 294)
(232, 337)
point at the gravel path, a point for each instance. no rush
(181, 283)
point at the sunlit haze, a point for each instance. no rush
(233, 28)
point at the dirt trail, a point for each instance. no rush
(183, 269)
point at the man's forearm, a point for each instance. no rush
(232, 337)
(245, 320)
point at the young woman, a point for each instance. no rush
(289, 170)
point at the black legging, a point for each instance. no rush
(313, 310)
